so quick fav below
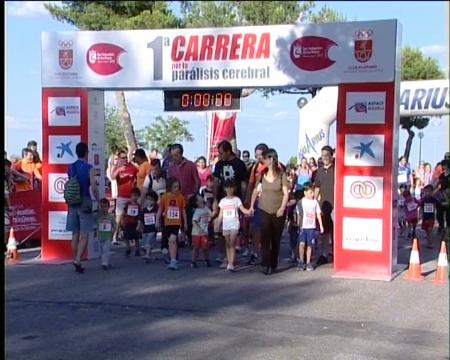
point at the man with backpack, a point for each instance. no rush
(80, 220)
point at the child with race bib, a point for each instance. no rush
(229, 217)
(106, 225)
(147, 222)
(428, 213)
(130, 221)
(173, 207)
(200, 223)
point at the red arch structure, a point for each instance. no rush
(362, 58)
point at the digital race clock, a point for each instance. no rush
(202, 100)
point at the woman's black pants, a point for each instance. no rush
(271, 231)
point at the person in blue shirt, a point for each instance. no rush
(404, 175)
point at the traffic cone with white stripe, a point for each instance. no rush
(441, 271)
(414, 270)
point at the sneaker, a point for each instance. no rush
(322, 260)
(301, 266)
(246, 253)
(253, 260)
(309, 267)
(128, 252)
(137, 253)
(224, 265)
(230, 268)
(115, 242)
(173, 265)
(194, 265)
(208, 263)
(164, 251)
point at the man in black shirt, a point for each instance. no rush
(229, 167)
(324, 191)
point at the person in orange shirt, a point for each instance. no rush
(29, 168)
(144, 169)
(173, 207)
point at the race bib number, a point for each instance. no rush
(428, 208)
(133, 210)
(411, 206)
(402, 178)
(149, 219)
(310, 220)
(204, 221)
(229, 213)
(105, 225)
(173, 213)
(401, 202)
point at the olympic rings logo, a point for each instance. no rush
(67, 44)
(363, 34)
(363, 189)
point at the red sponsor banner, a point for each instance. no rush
(24, 215)
(222, 128)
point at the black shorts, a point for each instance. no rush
(171, 230)
(130, 232)
(327, 223)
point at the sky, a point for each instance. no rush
(273, 120)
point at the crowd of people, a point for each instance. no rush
(228, 204)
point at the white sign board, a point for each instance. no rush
(62, 148)
(364, 150)
(250, 56)
(56, 187)
(364, 192)
(365, 108)
(57, 226)
(64, 111)
(362, 234)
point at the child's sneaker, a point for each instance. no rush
(246, 252)
(194, 265)
(301, 266)
(164, 251)
(230, 267)
(309, 267)
(208, 263)
(173, 265)
(224, 265)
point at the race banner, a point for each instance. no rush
(24, 215)
(246, 56)
(222, 128)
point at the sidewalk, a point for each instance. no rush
(144, 311)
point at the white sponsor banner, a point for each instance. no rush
(57, 226)
(253, 56)
(64, 111)
(364, 150)
(425, 97)
(365, 192)
(56, 187)
(62, 148)
(365, 107)
(362, 234)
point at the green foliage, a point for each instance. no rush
(418, 122)
(292, 161)
(416, 66)
(114, 136)
(327, 15)
(115, 15)
(163, 132)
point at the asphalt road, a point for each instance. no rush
(143, 311)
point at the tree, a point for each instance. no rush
(163, 132)
(114, 136)
(292, 161)
(116, 15)
(415, 66)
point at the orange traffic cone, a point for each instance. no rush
(414, 270)
(441, 271)
(12, 253)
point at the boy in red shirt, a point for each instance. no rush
(130, 221)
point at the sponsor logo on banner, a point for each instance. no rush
(311, 142)
(365, 108)
(364, 150)
(103, 59)
(365, 192)
(65, 54)
(56, 184)
(310, 53)
(362, 234)
(57, 226)
(363, 45)
(64, 111)
(62, 148)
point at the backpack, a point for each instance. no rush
(72, 190)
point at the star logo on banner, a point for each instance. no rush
(65, 148)
(364, 148)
